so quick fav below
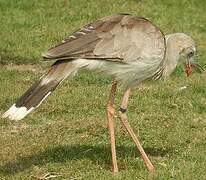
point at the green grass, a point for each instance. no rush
(67, 134)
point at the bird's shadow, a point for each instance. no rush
(64, 153)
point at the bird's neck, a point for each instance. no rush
(171, 58)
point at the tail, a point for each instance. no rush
(40, 90)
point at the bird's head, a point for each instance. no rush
(184, 46)
(189, 55)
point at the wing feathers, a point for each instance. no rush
(70, 48)
(119, 37)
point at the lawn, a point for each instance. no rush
(67, 135)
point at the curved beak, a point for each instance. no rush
(190, 63)
(188, 68)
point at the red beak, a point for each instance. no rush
(188, 69)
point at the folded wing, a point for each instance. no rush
(119, 37)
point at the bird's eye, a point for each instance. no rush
(190, 54)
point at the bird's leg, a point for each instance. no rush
(123, 118)
(110, 113)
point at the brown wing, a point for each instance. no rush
(119, 37)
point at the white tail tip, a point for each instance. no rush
(16, 113)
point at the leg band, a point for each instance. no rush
(122, 110)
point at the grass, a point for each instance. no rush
(67, 135)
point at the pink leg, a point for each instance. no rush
(125, 122)
(110, 113)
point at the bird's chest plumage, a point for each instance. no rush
(133, 73)
(127, 74)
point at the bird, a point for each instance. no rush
(128, 48)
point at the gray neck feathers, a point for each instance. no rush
(171, 57)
